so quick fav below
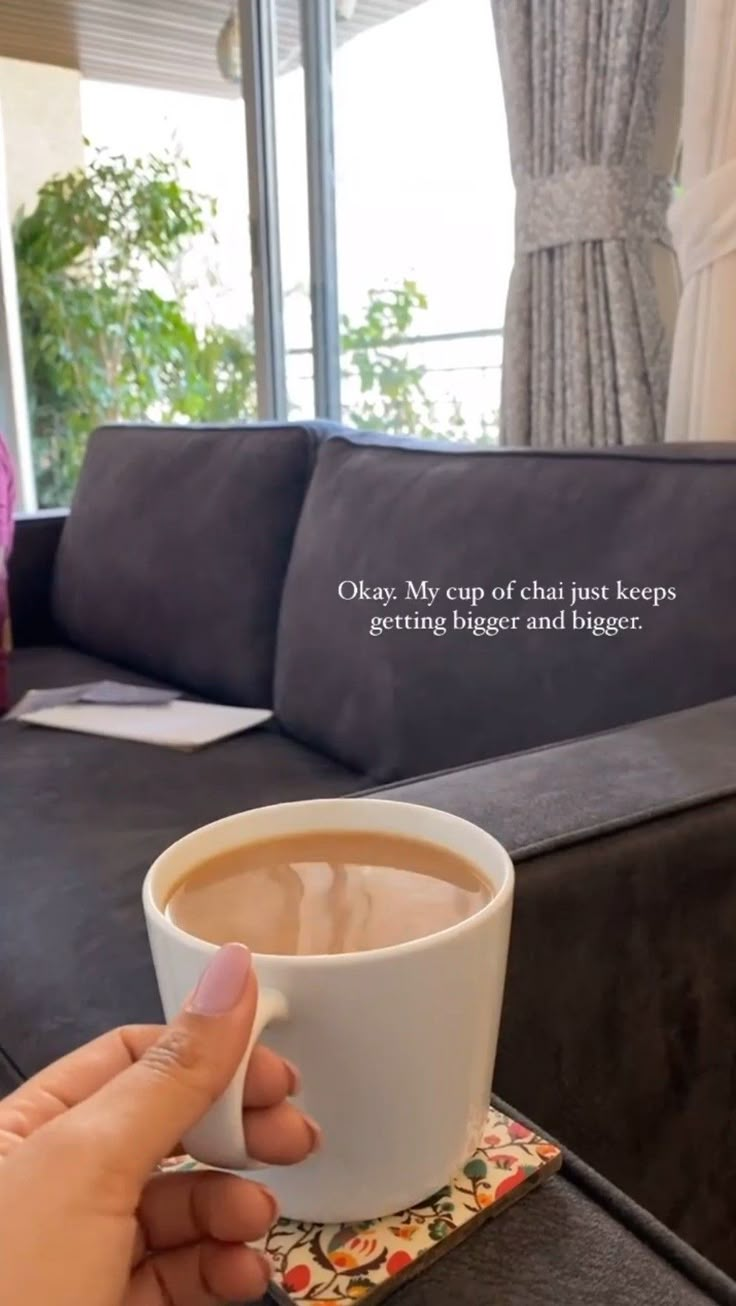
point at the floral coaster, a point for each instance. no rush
(336, 1264)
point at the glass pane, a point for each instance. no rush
(133, 257)
(425, 211)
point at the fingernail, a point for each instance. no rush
(295, 1079)
(274, 1212)
(315, 1133)
(266, 1263)
(222, 984)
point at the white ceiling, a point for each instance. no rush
(166, 43)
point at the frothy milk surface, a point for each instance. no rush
(323, 892)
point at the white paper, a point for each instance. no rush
(174, 725)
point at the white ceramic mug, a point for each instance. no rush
(396, 1046)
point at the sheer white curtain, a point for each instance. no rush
(702, 393)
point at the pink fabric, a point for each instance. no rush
(7, 503)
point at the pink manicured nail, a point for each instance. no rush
(315, 1132)
(295, 1079)
(222, 984)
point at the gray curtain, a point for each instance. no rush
(586, 341)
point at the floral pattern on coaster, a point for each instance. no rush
(335, 1264)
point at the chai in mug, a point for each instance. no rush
(327, 892)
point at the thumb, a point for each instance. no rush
(141, 1114)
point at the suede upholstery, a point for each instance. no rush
(403, 703)
(190, 530)
(557, 1247)
(619, 985)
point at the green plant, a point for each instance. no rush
(106, 336)
(391, 390)
(484, 434)
(392, 395)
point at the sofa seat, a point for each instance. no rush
(81, 820)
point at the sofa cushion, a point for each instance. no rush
(82, 818)
(173, 557)
(408, 701)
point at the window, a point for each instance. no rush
(425, 206)
(134, 258)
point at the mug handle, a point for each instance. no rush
(218, 1138)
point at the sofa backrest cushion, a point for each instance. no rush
(173, 558)
(409, 701)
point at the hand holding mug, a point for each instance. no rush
(82, 1218)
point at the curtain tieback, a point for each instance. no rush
(594, 202)
(703, 221)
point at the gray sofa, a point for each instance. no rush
(212, 559)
